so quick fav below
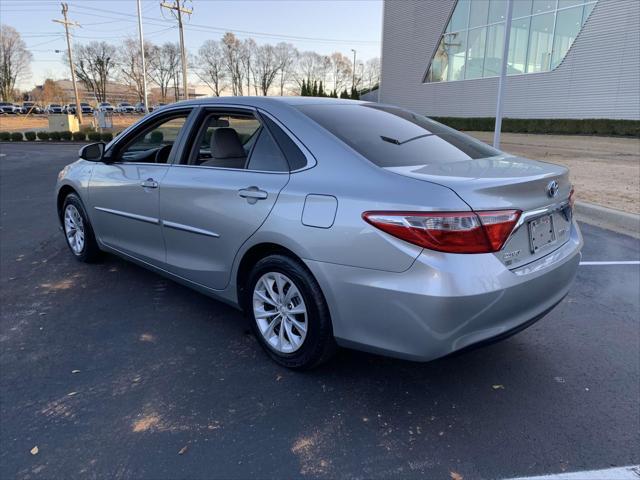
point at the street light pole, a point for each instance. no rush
(503, 75)
(66, 24)
(353, 77)
(144, 66)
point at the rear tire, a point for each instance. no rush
(78, 230)
(288, 313)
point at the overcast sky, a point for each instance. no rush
(325, 26)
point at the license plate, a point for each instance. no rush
(541, 233)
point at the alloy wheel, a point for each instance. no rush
(74, 229)
(280, 312)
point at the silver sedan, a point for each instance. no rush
(330, 223)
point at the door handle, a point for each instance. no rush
(253, 194)
(149, 183)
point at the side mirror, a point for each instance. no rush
(92, 152)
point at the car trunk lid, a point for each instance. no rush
(540, 190)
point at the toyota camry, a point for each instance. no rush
(330, 223)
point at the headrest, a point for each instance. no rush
(219, 123)
(225, 143)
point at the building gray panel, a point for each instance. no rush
(598, 78)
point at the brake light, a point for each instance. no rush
(452, 232)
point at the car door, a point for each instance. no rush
(124, 190)
(219, 194)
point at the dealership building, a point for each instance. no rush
(567, 58)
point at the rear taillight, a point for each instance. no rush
(453, 232)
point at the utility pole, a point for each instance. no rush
(144, 66)
(66, 24)
(177, 10)
(353, 77)
(503, 75)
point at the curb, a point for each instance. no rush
(609, 218)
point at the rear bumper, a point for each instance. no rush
(444, 302)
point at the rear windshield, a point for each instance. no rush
(393, 137)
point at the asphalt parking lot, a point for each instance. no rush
(114, 372)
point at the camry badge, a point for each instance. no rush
(552, 188)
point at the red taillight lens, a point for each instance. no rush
(453, 232)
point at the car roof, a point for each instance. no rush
(266, 101)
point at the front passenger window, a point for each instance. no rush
(154, 144)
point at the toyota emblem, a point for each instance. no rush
(552, 188)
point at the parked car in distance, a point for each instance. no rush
(6, 107)
(30, 107)
(105, 107)
(53, 108)
(86, 108)
(139, 107)
(157, 106)
(331, 222)
(125, 107)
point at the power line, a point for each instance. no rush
(237, 31)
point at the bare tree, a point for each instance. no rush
(94, 63)
(324, 67)
(210, 66)
(232, 49)
(130, 65)
(248, 51)
(359, 74)
(372, 73)
(164, 67)
(48, 92)
(340, 71)
(266, 67)
(15, 60)
(286, 56)
(308, 68)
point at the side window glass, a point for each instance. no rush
(266, 155)
(226, 140)
(154, 144)
(295, 158)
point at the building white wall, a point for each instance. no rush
(599, 77)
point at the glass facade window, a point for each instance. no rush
(475, 53)
(542, 32)
(540, 42)
(568, 24)
(478, 14)
(497, 10)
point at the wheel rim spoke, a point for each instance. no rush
(265, 298)
(74, 228)
(274, 323)
(302, 328)
(280, 312)
(298, 310)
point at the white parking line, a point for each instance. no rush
(620, 473)
(630, 262)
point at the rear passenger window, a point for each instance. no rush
(295, 158)
(266, 155)
(239, 141)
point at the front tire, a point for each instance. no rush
(78, 231)
(288, 313)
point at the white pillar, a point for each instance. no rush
(503, 74)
